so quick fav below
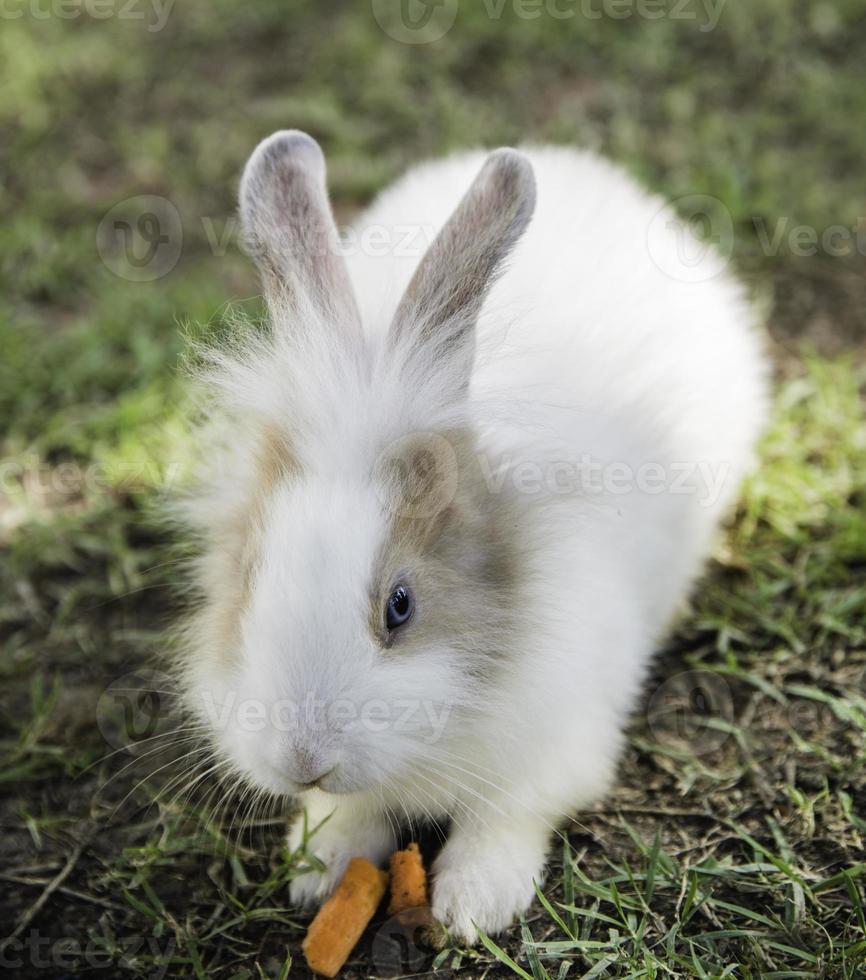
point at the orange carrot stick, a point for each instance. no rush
(339, 923)
(408, 880)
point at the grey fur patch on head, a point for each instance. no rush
(456, 546)
(289, 229)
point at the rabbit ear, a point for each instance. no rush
(436, 316)
(289, 228)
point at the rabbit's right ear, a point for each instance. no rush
(289, 229)
(436, 317)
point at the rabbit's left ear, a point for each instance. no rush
(435, 320)
(289, 228)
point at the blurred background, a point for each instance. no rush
(124, 125)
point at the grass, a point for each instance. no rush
(734, 842)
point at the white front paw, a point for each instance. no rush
(330, 849)
(487, 889)
(332, 840)
(312, 887)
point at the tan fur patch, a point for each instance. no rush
(229, 571)
(276, 462)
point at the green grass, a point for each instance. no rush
(734, 842)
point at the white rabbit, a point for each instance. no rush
(458, 493)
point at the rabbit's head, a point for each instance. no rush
(358, 574)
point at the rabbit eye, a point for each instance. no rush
(400, 607)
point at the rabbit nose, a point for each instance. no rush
(309, 768)
(315, 782)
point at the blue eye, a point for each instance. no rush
(400, 607)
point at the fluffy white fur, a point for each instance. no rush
(588, 355)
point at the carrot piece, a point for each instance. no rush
(339, 923)
(408, 880)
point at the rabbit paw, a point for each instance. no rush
(312, 887)
(334, 836)
(486, 887)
